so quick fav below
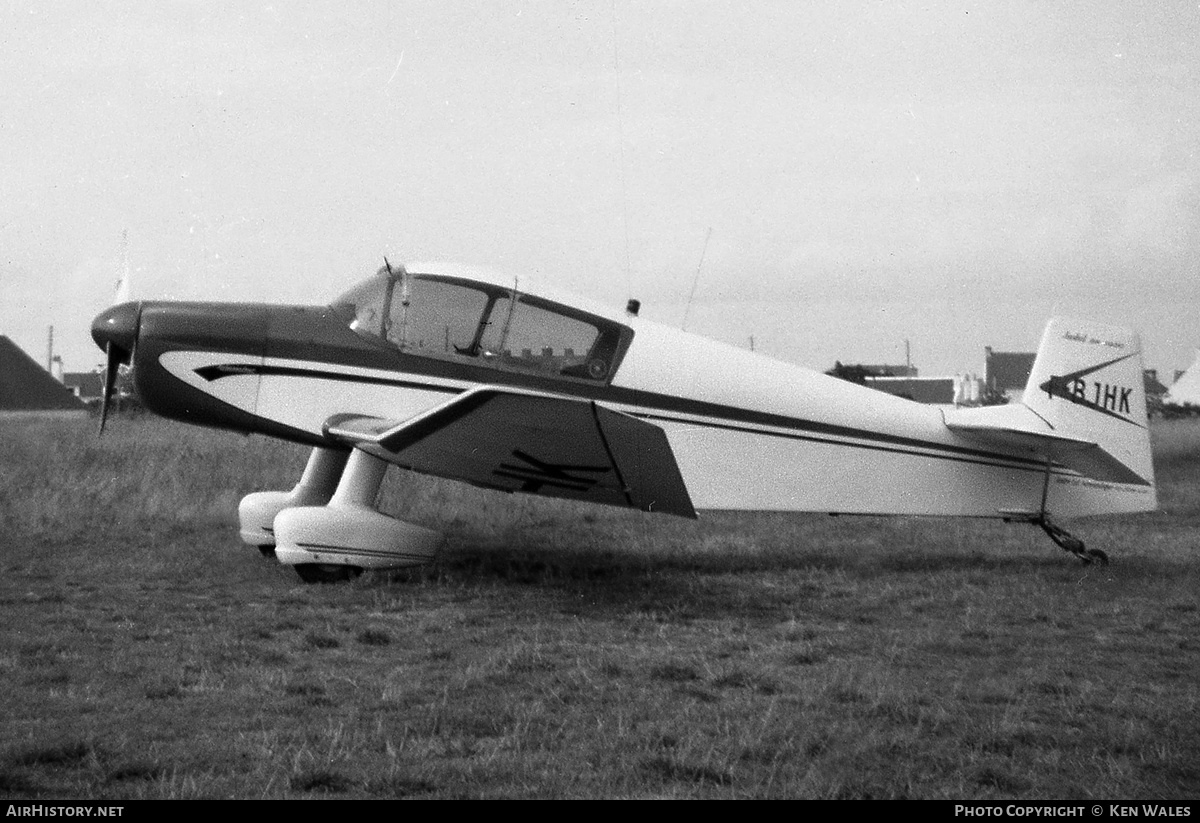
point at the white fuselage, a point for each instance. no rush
(747, 431)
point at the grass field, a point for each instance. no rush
(569, 651)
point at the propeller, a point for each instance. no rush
(116, 331)
(112, 366)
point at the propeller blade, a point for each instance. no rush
(111, 366)
(116, 331)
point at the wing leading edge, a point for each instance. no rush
(528, 442)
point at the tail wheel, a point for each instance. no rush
(1070, 543)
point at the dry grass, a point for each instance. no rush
(570, 651)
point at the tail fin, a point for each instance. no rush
(1087, 383)
(1084, 411)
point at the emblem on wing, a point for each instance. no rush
(535, 473)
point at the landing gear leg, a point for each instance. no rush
(1069, 542)
(257, 511)
(337, 541)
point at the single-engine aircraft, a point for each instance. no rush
(474, 376)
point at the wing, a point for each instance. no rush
(528, 442)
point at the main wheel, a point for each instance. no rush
(326, 572)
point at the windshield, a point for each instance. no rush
(364, 303)
(436, 316)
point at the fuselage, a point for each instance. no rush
(747, 431)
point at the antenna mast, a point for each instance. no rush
(621, 146)
(696, 280)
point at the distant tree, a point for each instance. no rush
(852, 374)
(1177, 410)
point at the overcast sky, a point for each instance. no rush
(947, 173)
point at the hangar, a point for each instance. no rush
(27, 388)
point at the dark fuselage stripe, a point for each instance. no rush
(211, 373)
(648, 404)
(653, 402)
(994, 463)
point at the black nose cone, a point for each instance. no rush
(118, 326)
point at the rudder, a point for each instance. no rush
(1087, 382)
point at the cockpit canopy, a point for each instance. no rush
(446, 317)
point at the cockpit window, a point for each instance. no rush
(531, 335)
(435, 318)
(445, 317)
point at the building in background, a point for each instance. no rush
(905, 381)
(27, 388)
(958, 390)
(1006, 372)
(920, 389)
(88, 386)
(1155, 391)
(891, 371)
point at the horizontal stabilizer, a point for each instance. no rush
(519, 441)
(1015, 427)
